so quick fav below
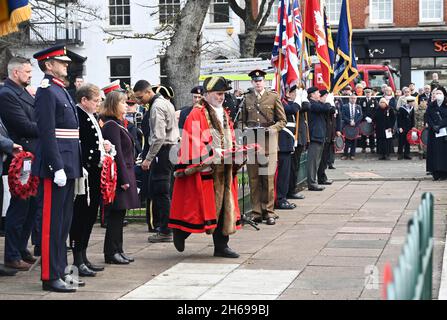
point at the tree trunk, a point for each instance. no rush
(183, 52)
(248, 44)
(5, 56)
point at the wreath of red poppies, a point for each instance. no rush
(16, 188)
(108, 180)
(410, 138)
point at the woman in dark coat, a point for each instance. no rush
(384, 119)
(112, 114)
(437, 146)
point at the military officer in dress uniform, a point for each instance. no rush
(263, 113)
(369, 106)
(197, 95)
(58, 164)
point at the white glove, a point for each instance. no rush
(414, 135)
(368, 119)
(352, 123)
(330, 99)
(304, 96)
(298, 96)
(60, 178)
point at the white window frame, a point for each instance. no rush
(119, 25)
(180, 4)
(113, 78)
(424, 20)
(273, 17)
(380, 21)
(337, 20)
(211, 14)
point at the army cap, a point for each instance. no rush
(58, 52)
(257, 75)
(113, 86)
(323, 92)
(312, 90)
(197, 90)
(216, 83)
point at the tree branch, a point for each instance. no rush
(241, 13)
(266, 15)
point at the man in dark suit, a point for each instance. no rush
(58, 164)
(197, 94)
(7, 146)
(369, 106)
(17, 113)
(351, 117)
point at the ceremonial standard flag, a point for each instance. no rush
(346, 66)
(13, 12)
(314, 30)
(301, 48)
(330, 42)
(284, 53)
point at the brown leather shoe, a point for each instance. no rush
(19, 265)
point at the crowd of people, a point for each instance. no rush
(183, 164)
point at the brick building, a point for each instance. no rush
(410, 34)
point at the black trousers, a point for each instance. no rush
(56, 205)
(21, 218)
(331, 158)
(363, 142)
(113, 242)
(384, 146)
(294, 169)
(321, 173)
(283, 177)
(350, 146)
(160, 177)
(84, 215)
(404, 146)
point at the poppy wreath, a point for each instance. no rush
(108, 180)
(16, 188)
(410, 138)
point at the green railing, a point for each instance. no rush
(411, 279)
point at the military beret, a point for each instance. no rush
(323, 92)
(197, 90)
(58, 52)
(216, 83)
(113, 86)
(257, 74)
(312, 90)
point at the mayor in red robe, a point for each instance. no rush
(205, 195)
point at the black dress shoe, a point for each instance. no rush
(326, 182)
(315, 188)
(57, 286)
(297, 196)
(94, 267)
(331, 167)
(116, 259)
(407, 158)
(270, 221)
(37, 251)
(7, 272)
(285, 205)
(71, 281)
(225, 253)
(85, 271)
(126, 257)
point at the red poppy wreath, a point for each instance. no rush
(16, 175)
(108, 180)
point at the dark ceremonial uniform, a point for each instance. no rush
(58, 148)
(369, 106)
(405, 121)
(17, 114)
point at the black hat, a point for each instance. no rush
(257, 74)
(423, 98)
(216, 83)
(166, 92)
(323, 92)
(197, 90)
(58, 52)
(292, 88)
(312, 90)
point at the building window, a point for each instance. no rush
(431, 10)
(119, 12)
(168, 10)
(220, 11)
(120, 69)
(381, 11)
(273, 17)
(333, 8)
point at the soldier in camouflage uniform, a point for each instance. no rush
(421, 123)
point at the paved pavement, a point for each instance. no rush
(332, 246)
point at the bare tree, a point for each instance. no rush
(254, 18)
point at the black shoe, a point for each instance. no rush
(179, 240)
(7, 272)
(37, 251)
(28, 257)
(225, 253)
(57, 286)
(126, 257)
(116, 259)
(270, 221)
(407, 158)
(94, 267)
(2, 233)
(382, 158)
(85, 271)
(297, 196)
(104, 225)
(326, 182)
(363, 150)
(373, 151)
(400, 157)
(71, 281)
(285, 205)
(331, 167)
(315, 188)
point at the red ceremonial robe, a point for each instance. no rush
(199, 199)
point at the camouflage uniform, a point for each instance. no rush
(420, 124)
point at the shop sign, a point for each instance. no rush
(441, 46)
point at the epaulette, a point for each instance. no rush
(45, 83)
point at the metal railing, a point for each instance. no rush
(54, 32)
(411, 279)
